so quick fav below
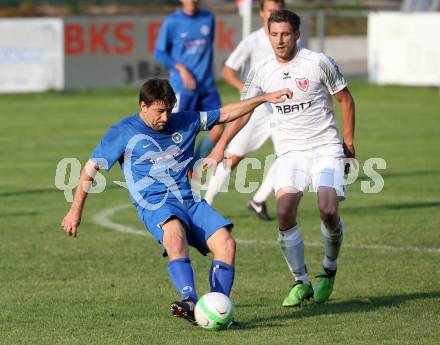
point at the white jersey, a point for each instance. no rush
(307, 120)
(250, 52)
(254, 49)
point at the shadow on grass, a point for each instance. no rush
(387, 174)
(348, 209)
(333, 307)
(29, 192)
(17, 214)
(248, 215)
(407, 205)
(398, 206)
(26, 192)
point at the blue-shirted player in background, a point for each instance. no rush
(185, 47)
(154, 149)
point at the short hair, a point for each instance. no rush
(275, 1)
(285, 16)
(157, 90)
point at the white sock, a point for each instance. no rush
(332, 245)
(217, 182)
(304, 278)
(266, 186)
(292, 245)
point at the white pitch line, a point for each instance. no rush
(103, 219)
(384, 196)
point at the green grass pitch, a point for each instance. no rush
(107, 287)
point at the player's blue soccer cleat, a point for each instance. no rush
(299, 293)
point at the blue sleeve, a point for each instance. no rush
(110, 149)
(163, 45)
(208, 119)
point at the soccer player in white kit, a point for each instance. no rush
(308, 148)
(252, 50)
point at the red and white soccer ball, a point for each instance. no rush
(214, 311)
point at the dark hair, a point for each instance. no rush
(285, 16)
(157, 90)
(275, 1)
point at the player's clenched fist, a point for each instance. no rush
(71, 222)
(279, 96)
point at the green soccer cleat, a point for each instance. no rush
(300, 292)
(324, 286)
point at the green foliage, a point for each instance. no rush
(112, 288)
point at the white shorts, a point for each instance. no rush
(254, 134)
(318, 167)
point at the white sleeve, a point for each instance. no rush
(330, 75)
(238, 58)
(252, 85)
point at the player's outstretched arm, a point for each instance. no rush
(241, 113)
(346, 102)
(233, 111)
(71, 221)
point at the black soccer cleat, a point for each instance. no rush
(260, 209)
(234, 325)
(184, 309)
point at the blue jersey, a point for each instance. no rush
(155, 163)
(188, 40)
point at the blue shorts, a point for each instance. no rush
(199, 218)
(192, 101)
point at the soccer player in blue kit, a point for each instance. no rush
(185, 47)
(154, 149)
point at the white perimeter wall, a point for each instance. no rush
(404, 48)
(31, 54)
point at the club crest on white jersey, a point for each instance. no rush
(307, 120)
(302, 84)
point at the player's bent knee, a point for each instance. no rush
(286, 215)
(175, 246)
(226, 252)
(223, 246)
(230, 246)
(174, 239)
(328, 212)
(227, 245)
(288, 199)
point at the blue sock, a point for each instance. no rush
(221, 277)
(204, 148)
(182, 276)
